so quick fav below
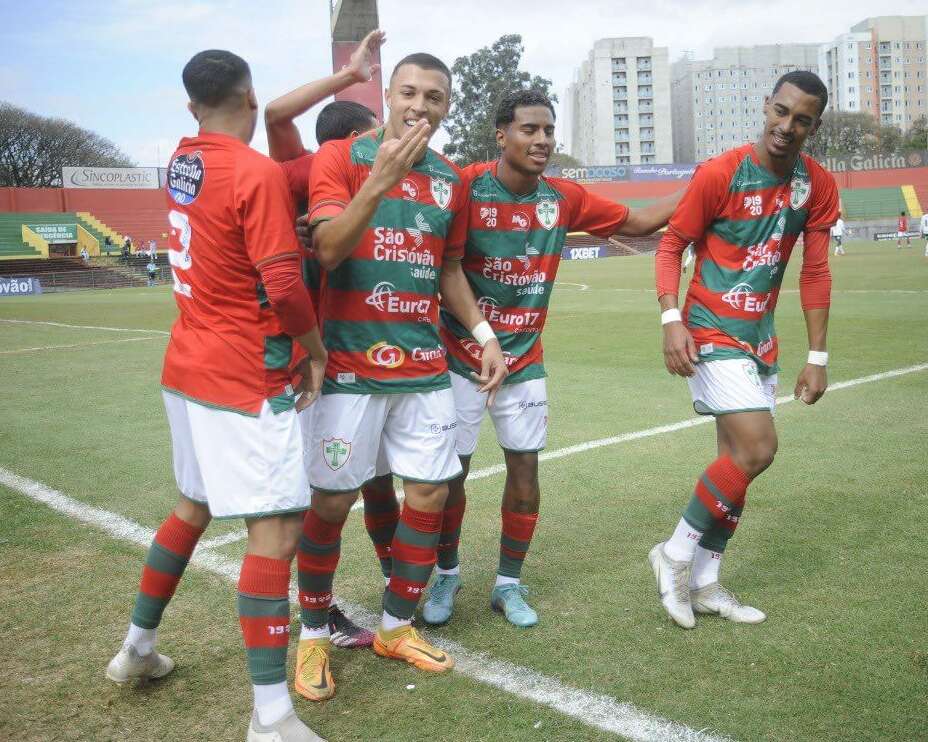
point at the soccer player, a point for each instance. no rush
(337, 120)
(837, 232)
(744, 210)
(518, 223)
(902, 231)
(226, 380)
(390, 223)
(923, 228)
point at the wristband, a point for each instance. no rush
(483, 333)
(671, 315)
(818, 358)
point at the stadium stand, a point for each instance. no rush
(67, 274)
(872, 203)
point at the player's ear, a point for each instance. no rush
(500, 138)
(252, 99)
(193, 111)
(814, 129)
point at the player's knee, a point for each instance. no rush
(426, 496)
(757, 457)
(275, 537)
(195, 513)
(333, 507)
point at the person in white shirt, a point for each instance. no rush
(837, 234)
(923, 228)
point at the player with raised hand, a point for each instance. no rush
(519, 220)
(744, 210)
(390, 220)
(227, 385)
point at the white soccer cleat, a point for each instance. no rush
(288, 729)
(128, 665)
(719, 601)
(673, 586)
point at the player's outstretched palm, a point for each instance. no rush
(493, 370)
(679, 349)
(359, 64)
(396, 157)
(811, 384)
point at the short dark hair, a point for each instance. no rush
(901, 213)
(807, 82)
(506, 110)
(214, 76)
(339, 118)
(426, 62)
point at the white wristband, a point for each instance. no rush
(483, 333)
(818, 357)
(671, 315)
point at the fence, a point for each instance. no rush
(94, 278)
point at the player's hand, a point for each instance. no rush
(811, 384)
(313, 374)
(303, 232)
(396, 157)
(359, 63)
(679, 350)
(492, 370)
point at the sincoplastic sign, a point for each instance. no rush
(109, 177)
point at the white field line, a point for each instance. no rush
(76, 345)
(782, 291)
(593, 709)
(84, 327)
(227, 538)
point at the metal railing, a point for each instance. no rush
(93, 278)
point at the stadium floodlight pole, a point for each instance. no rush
(351, 21)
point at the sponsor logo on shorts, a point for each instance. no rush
(528, 405)
(436, 429)
(750, 370)
(336, 452)
(546, 211)
(386, 355)
(185, 177)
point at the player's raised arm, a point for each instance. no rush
(283, 137)
(345, 220)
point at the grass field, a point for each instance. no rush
(832, 545)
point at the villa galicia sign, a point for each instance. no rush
(110, 177)
(857, 163)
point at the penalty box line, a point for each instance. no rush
(593, 709)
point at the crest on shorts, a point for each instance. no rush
(799, 191)
(336, 452)
(441, 191)
(546, 212)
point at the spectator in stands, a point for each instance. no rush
(152, 249)
(152, 269)
(85, 256)
(107, 243)
(127, 248)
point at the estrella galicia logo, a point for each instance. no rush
(185, 177)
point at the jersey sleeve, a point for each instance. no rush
(457, 232)
(330, 181)
(823, 213)
(701, 202)
(262, 201)
(297, 174)
(592, 213)
(815, 276)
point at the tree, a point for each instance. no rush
(916, 138)
(480, 81)
(34, 148)
(842, 133)
(562, 159)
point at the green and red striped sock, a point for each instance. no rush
(413, 553)
(718, 499)
(381, 514)
(164, 565)
(264, 613)
(450, 536)
(518, 529)
(316, 559)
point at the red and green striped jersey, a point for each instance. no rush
(380, 305)
(514, 246)
(744, 221)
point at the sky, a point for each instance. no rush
(114, 67)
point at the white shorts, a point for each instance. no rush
(359, 436)
(237, 465)
(307, 416)
(731, 385)
(519, 414)
(900, 235)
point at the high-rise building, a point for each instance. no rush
(619, 104)
(718, 102)
(879, 67)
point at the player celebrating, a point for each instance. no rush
(518, 223)
(902, 231)
(226, 381)
(390, 220)
(744, 210)
(837, 232)
(337, 120)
